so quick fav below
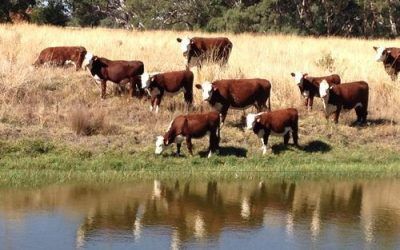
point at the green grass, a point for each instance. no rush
(36, 162)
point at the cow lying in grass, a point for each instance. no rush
(278, 123)
(186, 127)
(345, 96)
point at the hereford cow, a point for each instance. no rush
(188, 127)
(309, 86)
(60, 56)
(390, 57)
(345, 96)
(278, 123)
(170, 83)
(198, 50)
(119, 72)
(238, 94)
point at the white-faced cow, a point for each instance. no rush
(119, 72)
(237, 93)
(309, 86)
(390, 57)
(170, 83)
(345, 96)
(188, 127)
(278, 123)
(198, 50)
(61, 56)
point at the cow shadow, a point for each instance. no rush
(228, 151)
(311, 147)
(374, 122)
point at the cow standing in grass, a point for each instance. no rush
(119, 72)
(345, 96)
(278, 123)
(61, 56)
(168, 83)
(237, 93)
(198, 50)
(309, 86)
(186, 127)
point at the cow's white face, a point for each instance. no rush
(298, 78)
(324, 89)
(145, 79)
(250, 121)
(184, 44)
(206, 89)
(87, 62)
(159, 145)
(380, 56)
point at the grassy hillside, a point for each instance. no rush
(42, 109)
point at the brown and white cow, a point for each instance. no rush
(278, 123)
(188, 127)
(119, 72)
(60, 56)
(198, 50)
(237, 93)
(170, 83)
(309, 86)
(390, 57)
(345, 96)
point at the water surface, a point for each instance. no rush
(189, 214)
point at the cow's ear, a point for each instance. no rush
(179, 40)
(152, 79)
(375, 48)
(95, 58)
(292, 74)
(198, 86)
(215, 88)
(258, 119)
(191, 41)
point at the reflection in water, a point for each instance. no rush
(223, 215)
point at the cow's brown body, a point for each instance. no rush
(348, 96)
(202, 49)
(119, 72)
(170, 83)
(59, 56)
(279, 122)
(240, 94)
(194, 126)
(309, 88)
(391, 62)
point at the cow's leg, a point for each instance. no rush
(337, 113)
(136, 87)
(310, 103)
(188, 95)
(153, 101)
(286, 138)
(264, 141)
(214, 142)
(295, 134)
(103, 89)
(157, 102)
(224, 112)
(306, 102)
(189, 145)
(178, 149)
(361, 113)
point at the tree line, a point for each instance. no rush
(349, 18)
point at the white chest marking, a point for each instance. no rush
(306, 94)
(97, 79)
(179, 139)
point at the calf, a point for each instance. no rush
(191, 126)
(119, 72)
(278, 123)
(60, 56)
(238, 94)
(197, 50)
(390, 57)
(171, 83)
(345, 96)
(309, 86)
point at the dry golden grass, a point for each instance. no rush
(40, 102)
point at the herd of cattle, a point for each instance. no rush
(221, 94)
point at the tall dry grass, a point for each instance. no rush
(35, 100)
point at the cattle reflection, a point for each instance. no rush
(195, 211)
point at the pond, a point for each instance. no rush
(193, 214)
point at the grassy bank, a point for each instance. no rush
(55, 128)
